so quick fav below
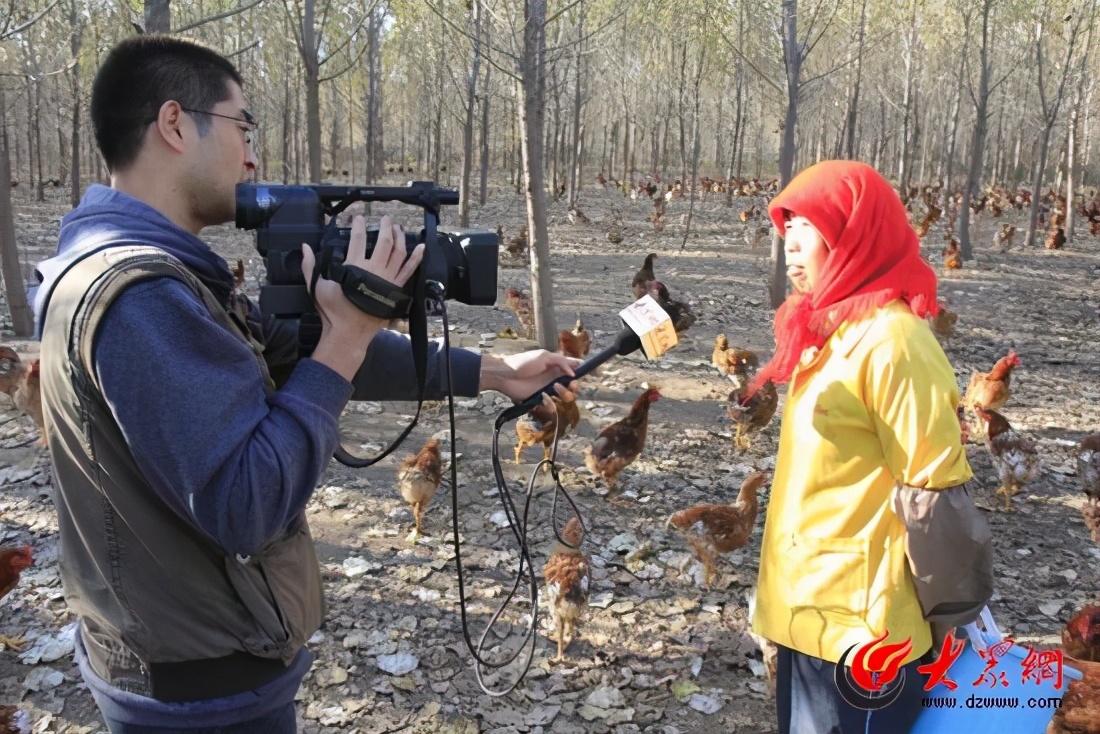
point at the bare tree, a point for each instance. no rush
(1050, 105)
(468, 126)
(309, 37)
(532, 65)
(1071, 134)
(21, 316)
(980, 98)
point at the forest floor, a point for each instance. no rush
(655, 653)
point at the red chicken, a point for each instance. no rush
(619, 444)
(20, 380)
(567, 580)
(418, 478)
(13, 561)
(640, 285)
(538, 426)
(1014, 455)
(519, 303)
(990, 390)
(678, 311)
(712, 530)
(1088, 473)
(575, 343)
(752, 414)
(952, 254)
(1081, 635)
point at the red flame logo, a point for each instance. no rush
(875, 665)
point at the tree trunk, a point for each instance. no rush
(158, 16)
(21, 317)
(907, 102)
(438, 152)
(533, 68)
(695, 144)
(374, 165)
(1050, 110)
(465, 194)
(853, 103)
(75, 39)
(956, 108)
(977, 141)
(486, 91)
(1071, 142)
(792, 59)
(738, 116)
(575, 182)
(311, 67)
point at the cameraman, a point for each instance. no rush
(182, 469)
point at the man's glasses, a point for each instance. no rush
(246, 119)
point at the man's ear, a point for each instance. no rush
(168, 125)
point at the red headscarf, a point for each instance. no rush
(874, 258)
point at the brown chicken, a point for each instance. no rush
(747, 214)
(712, 530)
(644, 276)
(930, 218)
(517, 246)
(943, 323)
(1079, 712)
(1088, 474)
(751, 415)
(576, 343)
(1056, 238)
(952, 255)
(418, 478)
(678, 311)
(13, 561)
(738, 364)
(575, 215)
(567, 579)
(238, 273)
(14, 721)
(990, 390)
(1004, 238)
(1014, 455)
(20, 380)
(519, 303)
(538, 426)
(619, 444)
(1081, 635)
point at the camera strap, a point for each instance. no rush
(370, 294)
(416, 310)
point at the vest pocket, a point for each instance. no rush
(281, 588)
(828, 575)
(246, 576)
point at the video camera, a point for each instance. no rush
(457, 264)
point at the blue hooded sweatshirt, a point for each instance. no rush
(171, 375)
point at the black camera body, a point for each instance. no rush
(457, 264)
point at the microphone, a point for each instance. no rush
(647, 327)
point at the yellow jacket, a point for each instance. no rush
(875, 407)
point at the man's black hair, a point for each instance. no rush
(142, 73)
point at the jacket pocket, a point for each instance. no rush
(829, 575)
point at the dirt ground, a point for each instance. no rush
(655, 654)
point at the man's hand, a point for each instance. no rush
(346, 331)
(520, 375)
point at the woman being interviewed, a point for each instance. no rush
(870, 532)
